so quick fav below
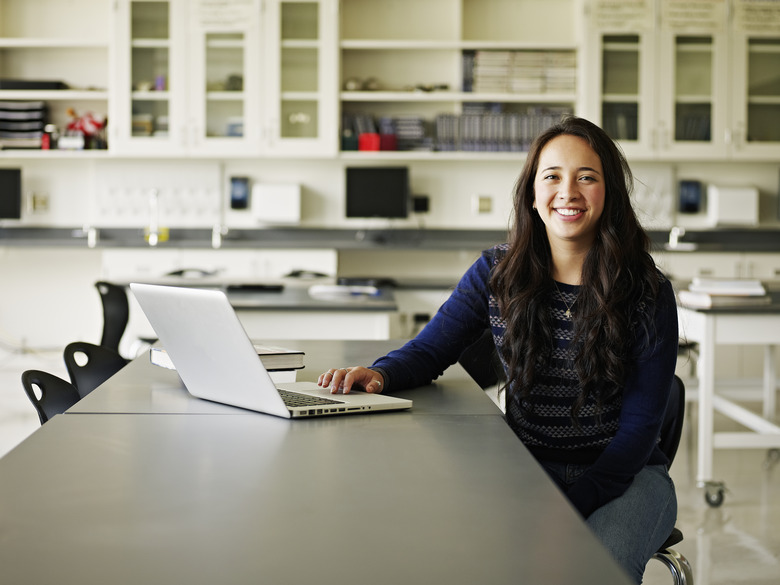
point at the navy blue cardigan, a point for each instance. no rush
(627, 438)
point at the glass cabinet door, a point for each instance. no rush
(301, 89)
(224, 97)
(757, 97)
(148, 115)
(763, 90)
(692, 110)
(225, 66)
(627, 98)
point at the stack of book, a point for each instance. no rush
(708, 293)
(529, 69)
(519, 71)
(491, 71)
(282, 363)
(561, 72)
(485, 127)
(21, 124)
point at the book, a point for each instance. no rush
(728, 286)
(703, 300)
(274, 358)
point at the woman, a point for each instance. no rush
(586, 329)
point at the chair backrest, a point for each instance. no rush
(481, 361)
(90, 365)
(116, 312)
(56, 395)
(671, 429)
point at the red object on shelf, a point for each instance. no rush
(368, 141)
(388, 142)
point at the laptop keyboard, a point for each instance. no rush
(295, 399)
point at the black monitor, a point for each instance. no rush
(10, 194)
(378, 192)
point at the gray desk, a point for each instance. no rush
(444, 494)
(142, 388)
(130, 499)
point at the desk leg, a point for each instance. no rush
(770, 380)
(706, 409)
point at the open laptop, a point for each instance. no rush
(217, 361)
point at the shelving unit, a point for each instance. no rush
(708, 91)
(404, 68)
(46, 41)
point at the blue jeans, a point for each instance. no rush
(633, 526)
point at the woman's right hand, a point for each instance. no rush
(345, 378)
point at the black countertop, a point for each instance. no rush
(720, 240)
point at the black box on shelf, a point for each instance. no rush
(31, 84)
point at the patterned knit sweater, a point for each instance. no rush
(618, 443)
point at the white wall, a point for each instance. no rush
(48, 297)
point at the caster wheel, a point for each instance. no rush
(714, 496)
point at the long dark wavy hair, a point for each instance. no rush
(619, 278)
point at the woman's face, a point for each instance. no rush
(569, 190)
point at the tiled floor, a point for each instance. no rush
(735, 544)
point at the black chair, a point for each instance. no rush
(671, 431)
(56, 395)
(481, 361)
(116, 312)
(90, 365)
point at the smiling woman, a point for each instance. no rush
(586, 330)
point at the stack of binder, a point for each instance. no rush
(22, 123)
(710, 293)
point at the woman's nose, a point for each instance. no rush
(568, 189)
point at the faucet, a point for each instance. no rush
(675, 235)
(154, 225)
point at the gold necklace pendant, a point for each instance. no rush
(563, 298)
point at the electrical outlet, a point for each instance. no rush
(482, 204)
(40, 202)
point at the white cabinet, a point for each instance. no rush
(54, 53)
(454, 75)
(251, 78)
(763, 266)
(671, 82)
(659, 86)
(687, 265)
(187, 81)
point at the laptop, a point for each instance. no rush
(217, 361)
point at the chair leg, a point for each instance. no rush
(677, 564)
